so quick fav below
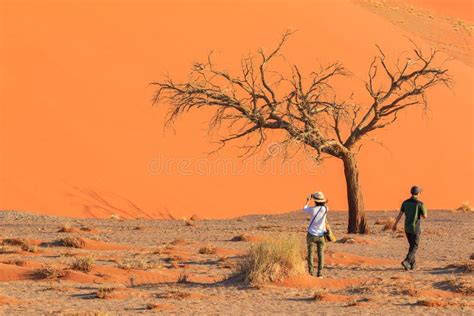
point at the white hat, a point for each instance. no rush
(319, 197)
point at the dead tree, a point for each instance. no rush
(304, 107)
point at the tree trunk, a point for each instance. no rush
(357, 223)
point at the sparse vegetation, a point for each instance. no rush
(136, 263)
(66, 228)
(389, 223)
(208, 250)
(318, 295)
(432, 303)
(189, 223)
(73, 242)
(17, 262)
(410, 290)
(105, 292)
(83, 264)
(465, 207)
(49, 272)
(30, 248)
(183, 277)
(194, 217)
(25, 244)
(115, 217)
(380, 222)
(16, 242)
(174, 294)
(272, 260)
(243, 237)
(153, 306)
(86, 228)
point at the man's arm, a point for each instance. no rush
(394, 228)
(424, 212)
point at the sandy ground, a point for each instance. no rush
(156, 267)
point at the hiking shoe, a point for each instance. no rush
(413, 266)
(406, 265)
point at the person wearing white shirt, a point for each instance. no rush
(316, 229)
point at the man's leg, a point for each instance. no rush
(321, 243)
(415, 241)
(406, 263)
(310, 243)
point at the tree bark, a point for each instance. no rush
(355, 201)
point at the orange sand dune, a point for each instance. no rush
(463, 9)
(78, 135)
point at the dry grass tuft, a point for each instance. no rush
(272, 260)
(465, 207)
(432, 303)
(73, 242)
(66, 228)
(183, 277)
(136, 263)
(25, 244)
(243, 237)
(16, 262)
(189, 223)
(194, 217)
(346, 240)
(318, 295)
(105, 292)
(115, 216)
(389, 223)
(208, 250)
(174, 294)
(16, 242)
(410, 291)
(154, 306)
(50, 273)
(83, 264)
(86, 228)
(30, 248)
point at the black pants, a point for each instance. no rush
(413, 240)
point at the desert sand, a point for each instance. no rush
(185, 267)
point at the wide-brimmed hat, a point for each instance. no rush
(319, 197)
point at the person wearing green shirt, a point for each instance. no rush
(413, 209)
